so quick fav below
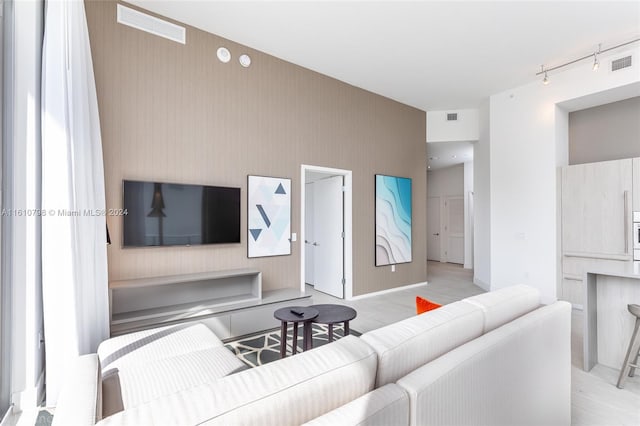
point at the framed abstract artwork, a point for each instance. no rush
(393, 220)
(268, 216)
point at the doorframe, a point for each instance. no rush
(446, 227)
(437, 198)
(347, 218)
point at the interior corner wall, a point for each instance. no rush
(446, 182)
(526, 150)
(482, 200)
(174, 113)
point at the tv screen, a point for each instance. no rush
(168, 214)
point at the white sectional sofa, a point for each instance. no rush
(494, 359)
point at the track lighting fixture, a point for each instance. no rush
(545, 80)
(596, 62)
(595, 55)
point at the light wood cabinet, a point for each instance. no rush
(597, 204)
(596, 210)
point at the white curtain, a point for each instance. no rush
(74, 253)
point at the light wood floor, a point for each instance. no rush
(595, 399)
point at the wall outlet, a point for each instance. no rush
(294, 237)
(393, 268)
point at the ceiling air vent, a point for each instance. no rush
(452, 116)
(150, 24)
(621, 63)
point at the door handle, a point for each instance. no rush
(316, 244)
(438, 234)
(626, 222)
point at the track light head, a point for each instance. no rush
(545, 80)
(596, 62)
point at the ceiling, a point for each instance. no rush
(447, 154)
(431, 55)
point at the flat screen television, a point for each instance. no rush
(169, 214)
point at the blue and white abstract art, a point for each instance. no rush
(269, 216)
(393, 220)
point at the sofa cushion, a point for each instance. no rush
(504, 305)
(388, 405)
(151, 345)
(289, 391)
(408, 344)
(517, 374)
(136, 384)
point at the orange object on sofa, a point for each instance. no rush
(423, 305)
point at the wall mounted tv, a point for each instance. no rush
(169, 214)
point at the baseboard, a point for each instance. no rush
(390, 290)
(481, 284)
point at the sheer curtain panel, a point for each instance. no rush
(74, 253)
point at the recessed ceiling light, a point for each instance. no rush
(428, 167)
(244, 60)
(223, 54)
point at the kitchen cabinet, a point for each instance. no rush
(597, 204)
(596, 210)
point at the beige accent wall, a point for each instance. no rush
(172, 112)
(606, 132)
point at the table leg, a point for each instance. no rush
(331, 332)
(283, 339)
(308, 336)
(295, 338)
(346, 328)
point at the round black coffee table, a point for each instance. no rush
(286, 315)
(334, 314)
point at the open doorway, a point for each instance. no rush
(326, 230)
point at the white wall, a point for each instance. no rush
(528, 141)
(441, 130)
(468, 215)
(618, 123)
(21, 187)
(482, 201)
(447, 182)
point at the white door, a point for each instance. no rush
(328, 236)
(433, 228)
(454, 229)
(309, 211)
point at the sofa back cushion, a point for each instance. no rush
(408, 344)
(504, 305)
(388, 405)
(517, 374)
(151, 345)
(289, 391)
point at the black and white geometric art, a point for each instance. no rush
(268, 216)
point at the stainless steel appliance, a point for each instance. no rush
(636, 235)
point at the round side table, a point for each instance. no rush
(334, 314)
(285, 315)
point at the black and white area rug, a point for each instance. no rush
(262, 348)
